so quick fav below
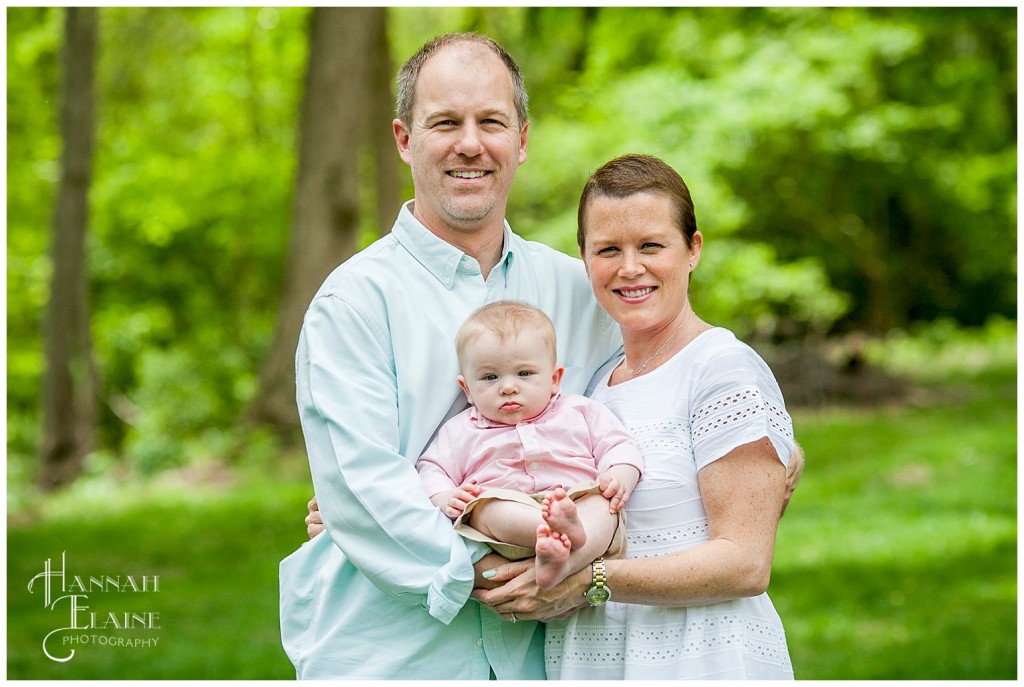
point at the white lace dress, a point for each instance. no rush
(712, 396)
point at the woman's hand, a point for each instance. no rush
(314, 525)
(794, 471)
(520, 594)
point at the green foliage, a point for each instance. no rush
(852, 168)
(195, 158)
(863, 139)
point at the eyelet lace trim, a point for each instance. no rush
(737, 407)
(657, 644)
(661, 540)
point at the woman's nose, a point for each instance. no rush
(631, 265)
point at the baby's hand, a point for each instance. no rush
(453, 503)
(617, 484)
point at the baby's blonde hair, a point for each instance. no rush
(505, 319)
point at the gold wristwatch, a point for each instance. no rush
(598, 592)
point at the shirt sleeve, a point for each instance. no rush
(736, 400)
(436, 469)
(613, 444)
(369, 493)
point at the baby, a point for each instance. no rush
(524, 469)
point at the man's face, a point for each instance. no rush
(465, 141)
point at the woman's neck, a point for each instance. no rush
(649, 350)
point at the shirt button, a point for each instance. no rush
(534, 465)
(480, 642)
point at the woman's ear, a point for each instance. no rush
(697, 245)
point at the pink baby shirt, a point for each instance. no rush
(573, 440)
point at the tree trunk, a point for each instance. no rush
(381, 112)
(325, 219)
(69, 399)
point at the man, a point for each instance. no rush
(385, 594)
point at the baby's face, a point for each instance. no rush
(510, 381)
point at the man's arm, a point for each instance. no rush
(369, 495)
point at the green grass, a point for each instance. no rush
(896, 560)
(898, 557)
(216, 552)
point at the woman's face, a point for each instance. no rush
(638, 261)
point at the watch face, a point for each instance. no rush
(598, 595)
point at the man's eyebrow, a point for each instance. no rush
(482, 114)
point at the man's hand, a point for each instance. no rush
(314, 525)
(793, 473)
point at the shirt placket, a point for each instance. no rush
(533, 452)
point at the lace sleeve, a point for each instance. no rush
(736, 400)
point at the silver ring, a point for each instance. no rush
(513, 618)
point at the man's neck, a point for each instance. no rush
(483, 244)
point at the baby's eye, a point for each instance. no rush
(525, 373)
(490, 378)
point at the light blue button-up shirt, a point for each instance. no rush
(385, 593)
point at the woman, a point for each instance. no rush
(689, 601)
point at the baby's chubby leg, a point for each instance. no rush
(506, 521)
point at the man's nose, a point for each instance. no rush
(469, 141)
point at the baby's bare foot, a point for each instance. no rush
(552, 557)
(559, 512)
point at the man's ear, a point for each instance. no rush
(401, 139)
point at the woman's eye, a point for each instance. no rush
(608, 250)
(650, 245)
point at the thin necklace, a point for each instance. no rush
(647, 362)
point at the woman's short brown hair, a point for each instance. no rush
(631, 174)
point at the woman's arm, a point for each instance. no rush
(742, 493)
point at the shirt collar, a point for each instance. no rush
(440, 258)
(482, 422)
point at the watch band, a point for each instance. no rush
(599, 574)
(599, 591)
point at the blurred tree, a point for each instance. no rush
(852, 168)
(69, 384)
(345, 51)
